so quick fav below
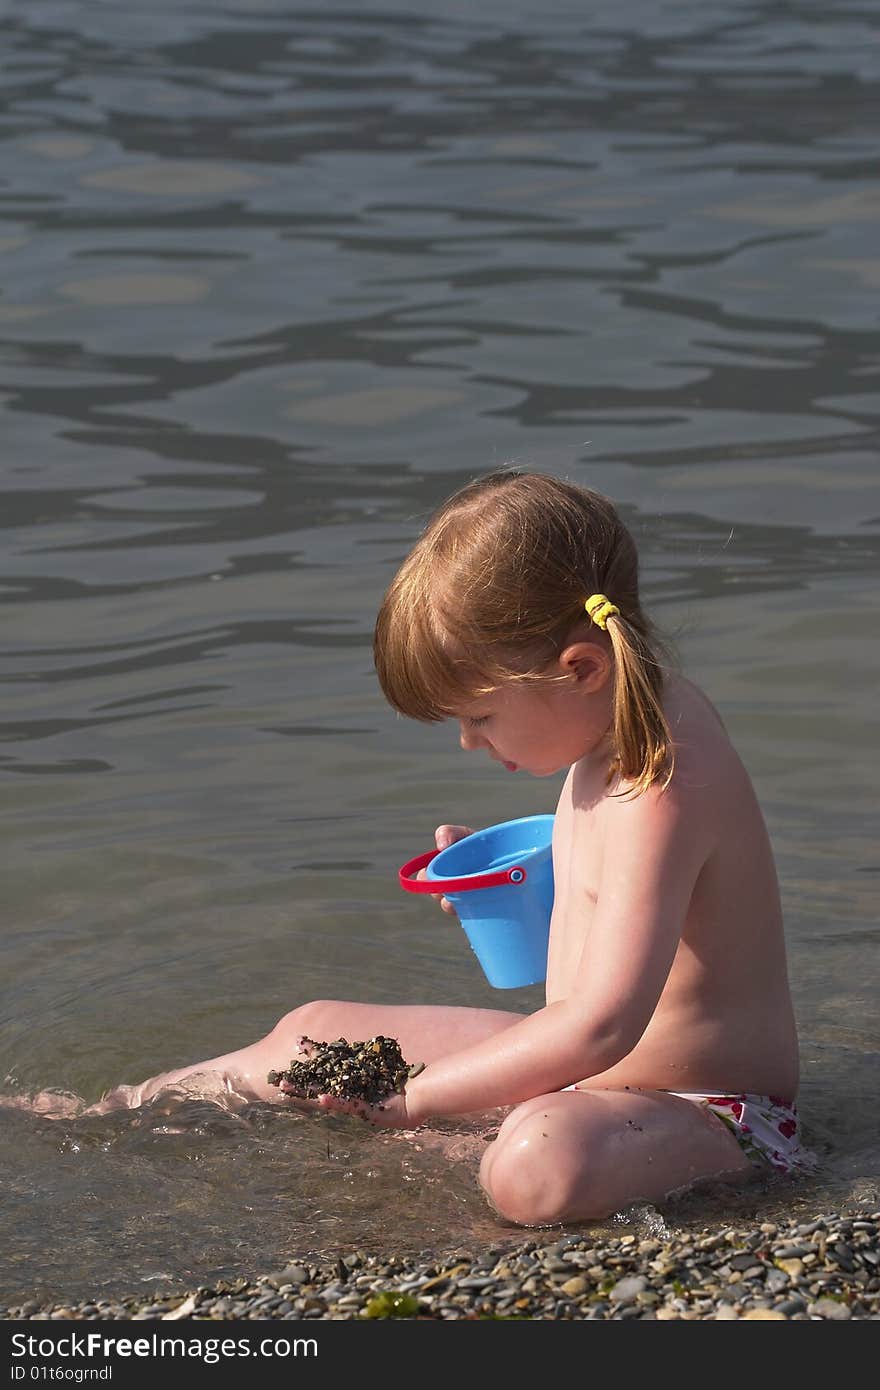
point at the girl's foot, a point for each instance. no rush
(53, 1105)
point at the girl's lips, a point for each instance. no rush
(511, 767)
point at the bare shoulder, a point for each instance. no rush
(685, 703)
(699, 736)
(708, 775)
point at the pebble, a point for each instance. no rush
(830, 1308)
(575, 1286)
(625, 1290)
(824, 1269)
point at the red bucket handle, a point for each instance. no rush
(516, 875)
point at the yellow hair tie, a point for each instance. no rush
(600, 609)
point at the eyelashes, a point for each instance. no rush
(476, 722)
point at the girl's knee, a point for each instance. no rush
(312, 1020)
(535, 1172)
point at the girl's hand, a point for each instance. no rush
(390, 1114)
(444, 836)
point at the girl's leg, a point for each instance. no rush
(424, 1032)
(581, 1155)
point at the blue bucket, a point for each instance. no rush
(500, 882)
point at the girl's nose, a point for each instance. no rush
(468, 738)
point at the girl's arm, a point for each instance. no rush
(657, 844)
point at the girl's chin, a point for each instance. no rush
(530, 771)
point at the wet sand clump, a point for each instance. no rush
(367, 1071)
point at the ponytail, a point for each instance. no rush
(642, 739)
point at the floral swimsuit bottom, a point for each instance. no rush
(765, 1127)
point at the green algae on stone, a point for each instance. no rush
(392, 1304)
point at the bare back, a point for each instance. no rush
(724, 1021)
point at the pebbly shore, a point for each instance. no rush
(827, 1268)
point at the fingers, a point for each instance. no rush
(338, 1105)
(446, 835)
(357, 1108)
(444, 902)
(325, 1101)
(296, 1098)
(423, 873)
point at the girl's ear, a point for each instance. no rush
(589, 663)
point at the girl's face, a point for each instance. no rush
(540, 728)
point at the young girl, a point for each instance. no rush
(666, 1050)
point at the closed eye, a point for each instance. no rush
(476, 720)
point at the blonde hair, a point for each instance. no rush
(491, 592)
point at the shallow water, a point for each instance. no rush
(275, 281)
